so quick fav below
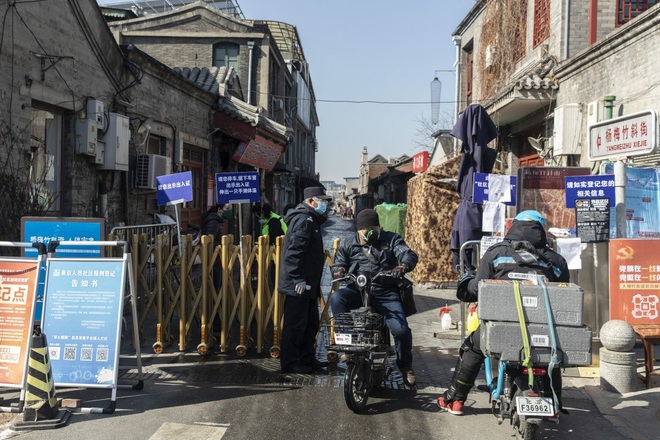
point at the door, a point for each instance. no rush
(193, 161)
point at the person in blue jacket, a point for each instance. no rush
(303, 258)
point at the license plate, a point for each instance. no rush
(535, 406)
(343, 338)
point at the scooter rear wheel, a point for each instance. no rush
(356, 392)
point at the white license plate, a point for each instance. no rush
(535, 406)
(343, 338)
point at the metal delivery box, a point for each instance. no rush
(497, 302)
(504, 339)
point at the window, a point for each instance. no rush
(45, 169)
(626, 10)
(541, 21)
(225, 54)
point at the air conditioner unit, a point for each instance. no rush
(568, 124)
(595, 112)
(150, 166)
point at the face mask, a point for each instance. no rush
(321, 208)
(371, 237)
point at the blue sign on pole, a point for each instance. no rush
(47, 229)
(82, 319)
(174, 188)
(480, 189)
(589, 187)
(237, 187)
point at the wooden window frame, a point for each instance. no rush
(541, 21)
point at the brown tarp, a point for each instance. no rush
(432, 205)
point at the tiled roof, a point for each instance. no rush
(533, 81)
(216, 80)
(209, 79)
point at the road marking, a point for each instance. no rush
(170, 430)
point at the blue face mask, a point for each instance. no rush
(321, 207)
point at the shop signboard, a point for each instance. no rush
(420, 162)
(635, 280)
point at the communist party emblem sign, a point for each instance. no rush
(635, 280)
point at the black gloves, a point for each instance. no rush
(399, 271)
(340, 272)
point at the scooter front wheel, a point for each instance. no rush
(356, 392)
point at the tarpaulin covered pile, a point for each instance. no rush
(432, 203)
(392, 217)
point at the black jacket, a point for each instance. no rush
(303, 254)
(523, 250)
(390, 251)
(212, 225)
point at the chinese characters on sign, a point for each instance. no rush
(18, 282)
(420, 162)
(635, 280)
(630, 135)
(482, 184)
(237, 187)
(592, 217)
(174, 188)
(589, 187)
(82, 318)
(259, 152)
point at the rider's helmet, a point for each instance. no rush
(531, 215)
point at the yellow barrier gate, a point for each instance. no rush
(180, 285)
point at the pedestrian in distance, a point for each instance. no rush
(523, 251)
(303, 258)
(370, 251)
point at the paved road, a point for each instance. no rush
(224, 396)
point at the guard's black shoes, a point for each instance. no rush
(317, 364)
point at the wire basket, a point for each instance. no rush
(354, 331)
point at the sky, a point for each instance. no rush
(371, 50)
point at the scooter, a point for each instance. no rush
(361, 335)
(526, 406)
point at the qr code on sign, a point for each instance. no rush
(70, 353)
(86, 353)
(101, 354)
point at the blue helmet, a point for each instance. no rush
(533, 215)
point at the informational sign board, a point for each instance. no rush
(82, 320)
(589, 187)
(630, 135)
(635, 280)
(486, 242)
(642, 202)
(592, 218)
(18, 285)
(47, 229)
(543, 188)
(259, 152)
(174, 188)
(237, 187)
(480, 191)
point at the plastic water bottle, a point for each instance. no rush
(445, 321)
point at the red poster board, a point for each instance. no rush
(635, 280)
(18, 281)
